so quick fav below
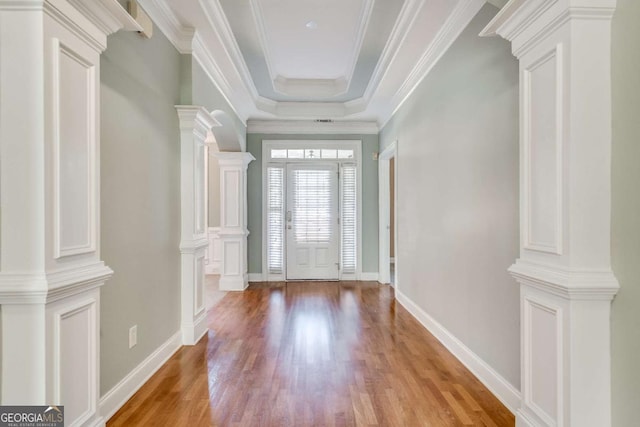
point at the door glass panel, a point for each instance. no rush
(312, 206)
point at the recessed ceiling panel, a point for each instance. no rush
(301, 50)
(307, 39)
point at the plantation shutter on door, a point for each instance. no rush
(348, 218)
(275, 219)
(312, 206)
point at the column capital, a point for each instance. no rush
(525, 22)
(196, 119)
(239, 158)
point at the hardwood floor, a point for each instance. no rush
(313, 353)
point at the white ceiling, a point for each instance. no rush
(354, 60)
(307, 39)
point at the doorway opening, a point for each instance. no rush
(311, 210)
(388, 226)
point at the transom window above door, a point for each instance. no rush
(311, 153)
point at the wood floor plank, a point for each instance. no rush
(313, 354)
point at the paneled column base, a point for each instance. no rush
(194, 313)
(565, 345)
(50, 335)
(233, 271)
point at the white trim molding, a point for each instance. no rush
(496, 383)
(115, 398)
(301, 127)
(564, 269)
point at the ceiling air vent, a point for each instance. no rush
(324, 121)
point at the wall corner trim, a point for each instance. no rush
(488, 376)
(115, 398)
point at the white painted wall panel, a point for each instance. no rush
(231, 258)
(77, 341)
(199, 285)
(542, 348)
(543, 145)
(200, 198)
(74, 162)
(231, 192)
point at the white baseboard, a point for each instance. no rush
(115, 398)
(369, 276)
(256, 277)
(233, 283)
(499, 386)
(259, 277)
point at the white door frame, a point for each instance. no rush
(267, 146)
(384, 203)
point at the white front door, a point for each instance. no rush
(313, 241)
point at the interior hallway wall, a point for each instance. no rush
(369, 196)
(625, 227)
(457, 208)
(140, 199)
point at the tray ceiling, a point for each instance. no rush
(314, 59)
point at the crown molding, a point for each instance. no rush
(408, 14)
(220, 25)
(448, 33)
(241, 102)
(181, 36)
(290, 127)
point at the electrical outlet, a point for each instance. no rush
(133, 336)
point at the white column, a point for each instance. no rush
(564, 268)
(50, 268)
(194, 124)
(233, 219)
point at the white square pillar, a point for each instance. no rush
(233, 219)
(195, 122)
(50, 266)
(564, 271)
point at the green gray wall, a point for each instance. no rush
(206, 94)
(369, 196)
(140, 199)
(625, 241)
(203, 92)
(457, 210)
